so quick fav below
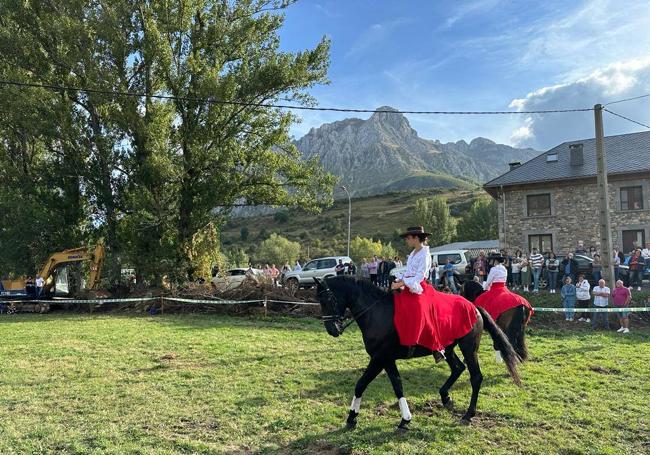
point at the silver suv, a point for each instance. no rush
(316, 268)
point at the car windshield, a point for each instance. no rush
(310, 266)
(455, 258)
(236, 272)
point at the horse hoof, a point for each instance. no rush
(403, 426)
(465, 421)
(449, 405)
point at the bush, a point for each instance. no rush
(281, 217)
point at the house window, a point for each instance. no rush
(543, 242)
(551, 157)
(632, 198)
(538, 204)
(633, 238)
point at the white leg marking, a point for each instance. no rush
(498, 357)
(404, 409)
(356, 404)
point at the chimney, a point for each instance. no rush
(514, 165)
(575, 155)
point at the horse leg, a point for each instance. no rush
(373, 369)
(396, 381)
(457, 367)
(476, 378)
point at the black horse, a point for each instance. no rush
(513, 321)
(372, 309)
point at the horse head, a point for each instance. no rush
(471, 290)
(332, 304)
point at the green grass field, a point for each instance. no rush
(215, 384)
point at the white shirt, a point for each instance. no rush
(418, 266)
(498, 274)
(297, 268)
(40, 282)
(600, 300)
(645, 253)
(582, 290)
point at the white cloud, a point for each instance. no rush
(374, 35)
(615, 81)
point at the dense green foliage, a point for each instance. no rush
(480, 221)
(207, 384)
(433, 213)
(278, 250)
(364, 248)
(153, 177)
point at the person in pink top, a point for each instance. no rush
(622, 298)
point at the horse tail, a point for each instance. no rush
(517, 332)
(501, 342)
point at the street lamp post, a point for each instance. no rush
(349, 215)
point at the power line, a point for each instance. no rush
(629, 99)
(627, 118)
(279, 106)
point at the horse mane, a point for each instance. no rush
(365, 286)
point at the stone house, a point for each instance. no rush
(551, 201)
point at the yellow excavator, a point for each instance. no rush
(18, 287)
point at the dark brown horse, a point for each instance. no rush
(373, 309)
(513, 321)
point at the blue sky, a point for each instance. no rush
(480, 54)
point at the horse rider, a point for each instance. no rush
(498, 272)
(416, 290)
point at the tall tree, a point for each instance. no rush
(148, 173)
(480, 221)
(433, 214)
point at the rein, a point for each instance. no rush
(341, 319)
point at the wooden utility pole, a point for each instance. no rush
(603, 199)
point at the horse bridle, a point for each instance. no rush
(339, 319)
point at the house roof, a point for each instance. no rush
(626, 153)
(474, 245)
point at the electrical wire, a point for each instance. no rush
(280, 106)
(628, 99)
(627, 118)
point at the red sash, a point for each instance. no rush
(499, 299)
(432, 319)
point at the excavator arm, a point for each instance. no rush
(96, 259)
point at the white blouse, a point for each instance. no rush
(498, 274)
(418, 266)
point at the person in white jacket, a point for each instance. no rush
(583, 296)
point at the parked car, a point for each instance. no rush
(233, 278)
(460, 259)
(316, 268)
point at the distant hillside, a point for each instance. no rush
(384, 154)
(377, 216)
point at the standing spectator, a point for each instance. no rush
(507, 263)
(569, 267)
(568, 293)
(480, 266)
(536, 263)
(372, 268)
(398, 262)
(381, 272)
(553, 268)
(592, 251)
(583, 296)
(340, 268)
(352, 268)
(580, 249)
(390, 265)
(525, 274)
(621, 296)
(435, 275)
(516, 270)
(297, 267)
(645, 254)
(601, 300)
(616, 261)
(636, 269)
(40, 282)
(448, 270)
(365, 271)
(597, 268)
(275, 273)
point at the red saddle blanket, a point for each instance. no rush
(499, 299)
(432, 319)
